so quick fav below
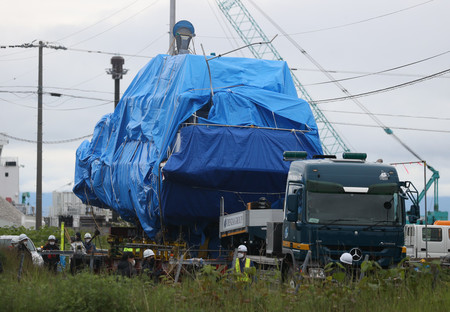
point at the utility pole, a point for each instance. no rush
(39, 142)
(172, 23)
(117, 71)
(39, 145)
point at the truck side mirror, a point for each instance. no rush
(293, 202)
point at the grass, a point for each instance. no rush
(401, 289)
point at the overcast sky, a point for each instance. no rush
(348, 37)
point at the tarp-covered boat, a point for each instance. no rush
(172, 148)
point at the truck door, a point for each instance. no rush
(292, 213)
(436, 244)
(447, 238)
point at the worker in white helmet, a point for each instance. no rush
(149, 265)
(90, 247)
(346, 260)
(51, 261)
(243, 264)
(14, 242)
(23, 242)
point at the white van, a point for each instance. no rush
(417, 237)
(5, 241)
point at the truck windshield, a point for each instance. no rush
(354, 209)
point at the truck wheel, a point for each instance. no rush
(292, 277)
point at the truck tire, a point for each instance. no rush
(292, 277)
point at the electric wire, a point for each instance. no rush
(61, 88)
(361, 21)
(116, 25)
(398, 128)
(109, 53)
(364, 74)
(53, 108)
(98, 22)
(130, 56)
(388, 115)
(401, 85)
(57, 94)
(231, 39)
(379, 72)
(12, 137)
(337, 26)
(18, 76)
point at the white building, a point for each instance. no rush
(66, 203)
(9, 176)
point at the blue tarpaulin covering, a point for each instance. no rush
(151, 160)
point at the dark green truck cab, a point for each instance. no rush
(334, 206)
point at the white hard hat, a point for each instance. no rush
(51, 237)
(242, 248)
(346, 258)
(22, 237)
(14, 240)
(148, 253)
(87, 235)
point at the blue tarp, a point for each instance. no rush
(120, 167)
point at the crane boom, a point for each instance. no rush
(432, 181)
(249, 31)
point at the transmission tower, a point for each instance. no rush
(250, 32)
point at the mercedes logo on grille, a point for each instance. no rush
(356, 254)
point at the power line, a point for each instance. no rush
(226, 30)
(98, 22)
(355, 96)
(52, 108)
(361, 21)
(144, 48)
(32, 45)
(55, 94)
(7, 101)
(109, 53)
(362, 73)
(333, 27)
(116, 25)
(61, 88)
(44, 142)
(80, 108)
(388, 115)
(398, 128)
(380, 72)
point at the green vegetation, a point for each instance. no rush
(424, 287)
(400, 289)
